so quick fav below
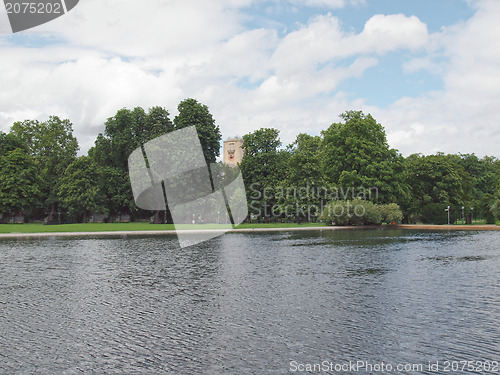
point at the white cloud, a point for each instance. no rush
(324, 39)
(152, 28)
(464, 117)
(123, 54)
(244, 55)
(387, 33)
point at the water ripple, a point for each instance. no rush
(247, 303)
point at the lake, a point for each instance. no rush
(253, 303)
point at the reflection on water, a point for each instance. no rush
(248, 303)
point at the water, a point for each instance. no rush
(263, 303)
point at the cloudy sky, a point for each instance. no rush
(427, 70)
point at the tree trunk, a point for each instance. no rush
(51, 213)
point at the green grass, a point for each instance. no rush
(113, 227)
(91, 227)
(459, 222)
(143, 226)
(477, 222)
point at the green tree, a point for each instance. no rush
(123, 133)
(80, 191)
(19, 183)
(483, 175)
(495, 203)
(304, 179)
(356, 153)
(9, 142)
(305, 161)
(191, 112)
(436, 182)
(53, 147)
(263, 168)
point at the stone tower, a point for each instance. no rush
(233, 153)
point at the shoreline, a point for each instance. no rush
(448, 227)
(247, 230)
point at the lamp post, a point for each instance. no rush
(472, 215)
(463, 222)
(448, 210)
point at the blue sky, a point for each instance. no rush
(435, 13)
(384, 83)
(428, 71)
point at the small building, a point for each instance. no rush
(233, 151)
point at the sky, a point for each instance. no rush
(427, 70)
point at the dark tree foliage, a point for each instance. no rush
(264, 168)
(436, 182)
(191, 112)
(19, 183)
(80, 191)
(52, 145)
(356, 153)
(123, 133)
(483, 176)
(40, 174)
(10, 142)
(303, 179)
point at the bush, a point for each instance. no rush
(391, 213)
(372, 214)
(359, 212)
(339, 213)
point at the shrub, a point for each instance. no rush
(359, 212)
(391, 213)
(372, 214)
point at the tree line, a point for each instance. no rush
(42, 178)
(352, 161)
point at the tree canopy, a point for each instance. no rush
(436, 182)
(40, 173)
(53, 147)
(356, 153)
(193, 113)
(20, 183)
(80, 190)
(126, 131)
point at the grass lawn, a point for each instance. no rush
(91, 227)
(113, 227)
(144, 226)
(476, 222)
